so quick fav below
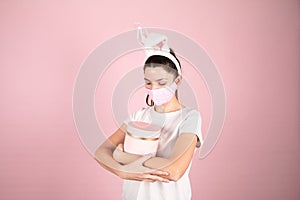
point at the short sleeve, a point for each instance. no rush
(192, 124)
(128, 119)
(135, 116)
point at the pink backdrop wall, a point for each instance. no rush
(255, 45)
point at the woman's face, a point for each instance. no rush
(157, 77)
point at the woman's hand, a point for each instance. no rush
(122, 157)
(133, 170)
(136, 171)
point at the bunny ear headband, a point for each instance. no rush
(156, 44)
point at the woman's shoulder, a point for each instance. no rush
(140, 112)
(188, 112)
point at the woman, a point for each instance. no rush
(166, 175)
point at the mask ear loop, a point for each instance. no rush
(147, 101)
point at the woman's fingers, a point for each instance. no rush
(117, 154)
(120, 147)
(159, 173)
(146, 177)
(151, 177)
(136, 171)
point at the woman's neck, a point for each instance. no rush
(171, 106)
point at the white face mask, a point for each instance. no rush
(162, 95)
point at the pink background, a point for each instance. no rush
(255, 45)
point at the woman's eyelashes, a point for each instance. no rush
(159, 83)
(162, 83)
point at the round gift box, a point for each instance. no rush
(141, 138)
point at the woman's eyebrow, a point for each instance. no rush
(156, 80)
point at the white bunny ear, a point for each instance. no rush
(156, 44)
(142, 34)
(152, 40)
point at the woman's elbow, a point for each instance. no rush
(98, 154)
(98, 151)
(101, 152)
(175, 174)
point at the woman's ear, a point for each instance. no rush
(178, 80)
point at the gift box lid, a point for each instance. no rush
(143, 129)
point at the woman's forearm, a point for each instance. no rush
(172, 165)
(104, 157)
(132, 171)
(123, 157)
(167, 165)
(180, 159)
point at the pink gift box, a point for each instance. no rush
(141, 138)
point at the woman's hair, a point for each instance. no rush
(166, 64)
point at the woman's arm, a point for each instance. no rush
(175, 165)
(180, 158)
(103, 154)
(133, 171)
(123, 157)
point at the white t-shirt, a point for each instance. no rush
(173, 124)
